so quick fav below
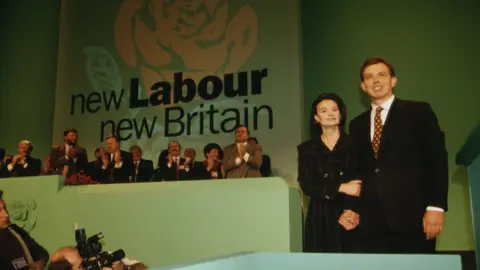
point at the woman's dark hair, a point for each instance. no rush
(315, 128)
(209, 147)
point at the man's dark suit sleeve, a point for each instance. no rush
(352, 202)
(34, 167)
(436, 157)
(57, 159)
(148, 170)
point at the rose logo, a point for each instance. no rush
(197, 37)
(22, 213)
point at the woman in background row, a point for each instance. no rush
(326, 173)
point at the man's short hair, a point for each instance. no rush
(135, 147)
(376, 60)
(27, 142)
(113, 137)
(68, 130)
(1, 194)
(239, 126)
(170, 143)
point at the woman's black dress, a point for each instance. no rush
(320, 173)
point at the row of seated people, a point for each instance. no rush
(112, 165)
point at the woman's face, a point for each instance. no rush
(213, 154)
(328, 113)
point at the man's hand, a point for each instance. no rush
(118, 157)
(105, 160)
(242, 149)
(433, 223)
(40, 265)
(349, 220)
(16, 159)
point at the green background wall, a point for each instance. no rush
(27, 72)
(432, 45)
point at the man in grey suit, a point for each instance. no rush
(242, 159)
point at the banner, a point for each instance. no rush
(156, 71)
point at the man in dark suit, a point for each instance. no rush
(68, 154)
(403, 164)
(173, 168)
(117, 165)
(23, 164)
(142, 168)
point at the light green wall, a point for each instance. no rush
(162, 223)
(432, 45)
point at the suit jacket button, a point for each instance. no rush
(341, 173)
(325, 175)
(327, 197)
(377, 170)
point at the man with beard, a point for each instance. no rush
(68, 154)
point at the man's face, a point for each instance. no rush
(174, 149)
(71, 138)
(241, 134)
(377, 82)
(4, 220)
(189, 152)
(136, 153)
(112, 145)
(23, 149)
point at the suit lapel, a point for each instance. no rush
(392, 117)
(62, 150)
(366, 136)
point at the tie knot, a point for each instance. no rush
(379, 110)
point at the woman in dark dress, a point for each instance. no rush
(212, 167)
(326, 173)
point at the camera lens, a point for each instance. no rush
(117, 255)
(80, 235)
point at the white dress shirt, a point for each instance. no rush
(383, 115)
(245, 157)
(67, 148)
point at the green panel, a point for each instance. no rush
(162, 223)
(432, 46)
(474, 179)
(470, 149)
(307, 261)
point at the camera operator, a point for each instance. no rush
(68, 258)
(18, 251)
